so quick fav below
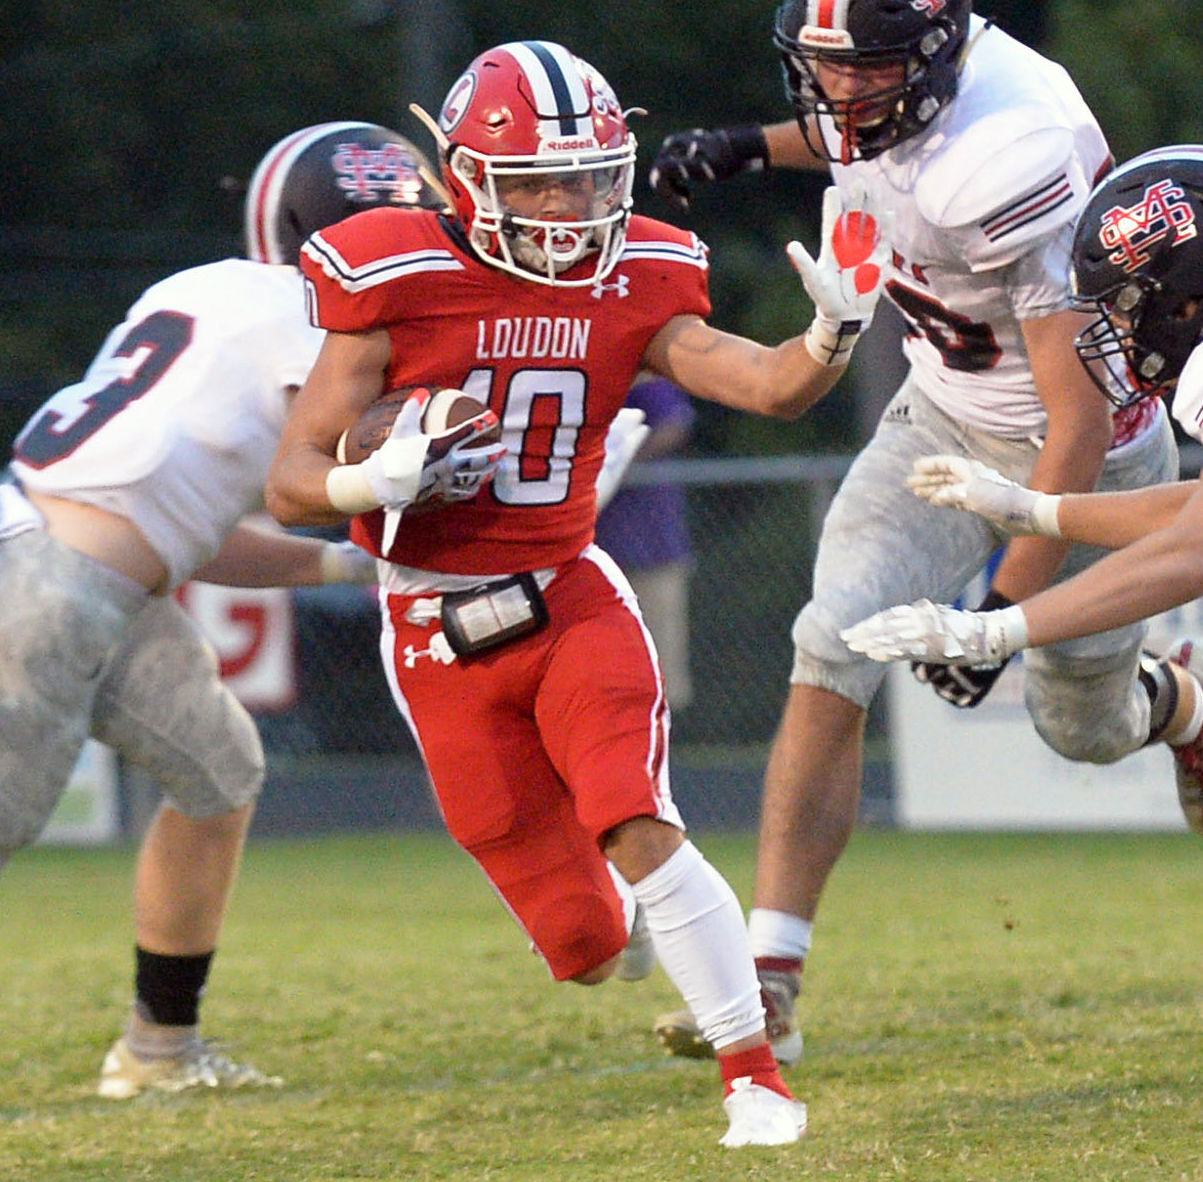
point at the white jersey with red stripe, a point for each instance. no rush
(555, 364)
(984, 203)
(175, 423)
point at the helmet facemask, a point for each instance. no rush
(1139, 341)
(926, 58)
(594, 188)
(526, 118)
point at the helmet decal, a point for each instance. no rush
(459, 98)
(1137, 270)
(1131, 232)
(322, 174)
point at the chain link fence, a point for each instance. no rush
(342, 758)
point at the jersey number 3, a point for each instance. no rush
(141, 358)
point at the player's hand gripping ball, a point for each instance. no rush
(465, 441)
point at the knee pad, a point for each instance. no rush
(577, 933)
(823, 660)
(1089, 712)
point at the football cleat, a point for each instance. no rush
(1188, 759)
(761, 1116)
(678, 1033)
(638, 958)
(124, 1075)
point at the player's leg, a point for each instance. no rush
(1099, 698)
(880, 545)
(61, 616)
(500, 798)
(605, 728)
(163, 707)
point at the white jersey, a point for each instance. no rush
(984, 203)
(1188, 395)
(177, 419)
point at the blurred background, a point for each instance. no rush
(132, 130)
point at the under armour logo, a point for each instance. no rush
(619, 285)
(1131, 232)
(440, 652)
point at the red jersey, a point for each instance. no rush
(554, 363)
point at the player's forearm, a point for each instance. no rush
(1115, 519)
(296, 489)
(1153, 575)
(789, 149)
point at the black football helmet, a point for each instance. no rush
(319, 175)
(1138, 268)
(925, 37)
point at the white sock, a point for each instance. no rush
(698, 930)
(1190, 731)
(778, 933)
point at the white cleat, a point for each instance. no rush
(760, 1116)
(679, 1035)
(123, 1075)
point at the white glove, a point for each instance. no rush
(345, 562)
(623, 440)
(927, 631)
(955, 482)
(845, 282)
(410, 466)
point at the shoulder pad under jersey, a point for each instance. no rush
(1002, 156)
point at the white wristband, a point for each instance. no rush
(1006, 632)
(830, 342)
(1044, 515)
(349, 490)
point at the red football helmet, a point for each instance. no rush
(529, 115)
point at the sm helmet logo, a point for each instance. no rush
(1131, 232)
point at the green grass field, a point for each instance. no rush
(978, 1008)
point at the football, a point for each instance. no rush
(446, 409)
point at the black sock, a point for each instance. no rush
(169, 988)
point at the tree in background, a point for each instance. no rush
(116, 172)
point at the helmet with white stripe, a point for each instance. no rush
(526, 119)
(319, 175)
(924, 39)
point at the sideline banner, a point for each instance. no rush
(986, 768)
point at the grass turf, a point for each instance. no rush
(979, 1007)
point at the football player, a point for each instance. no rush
(123, 486)
(544, 296)
(1138, 269)
(986, 153)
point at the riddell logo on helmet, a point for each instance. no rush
(576, 145)
(813, 35)
(1131, 232)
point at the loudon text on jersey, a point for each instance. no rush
(557, 337)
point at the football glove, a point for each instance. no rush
(623, 440)
(956, 482)
(687, 157)
(929, 631)
(845, 281)
(965, 686)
